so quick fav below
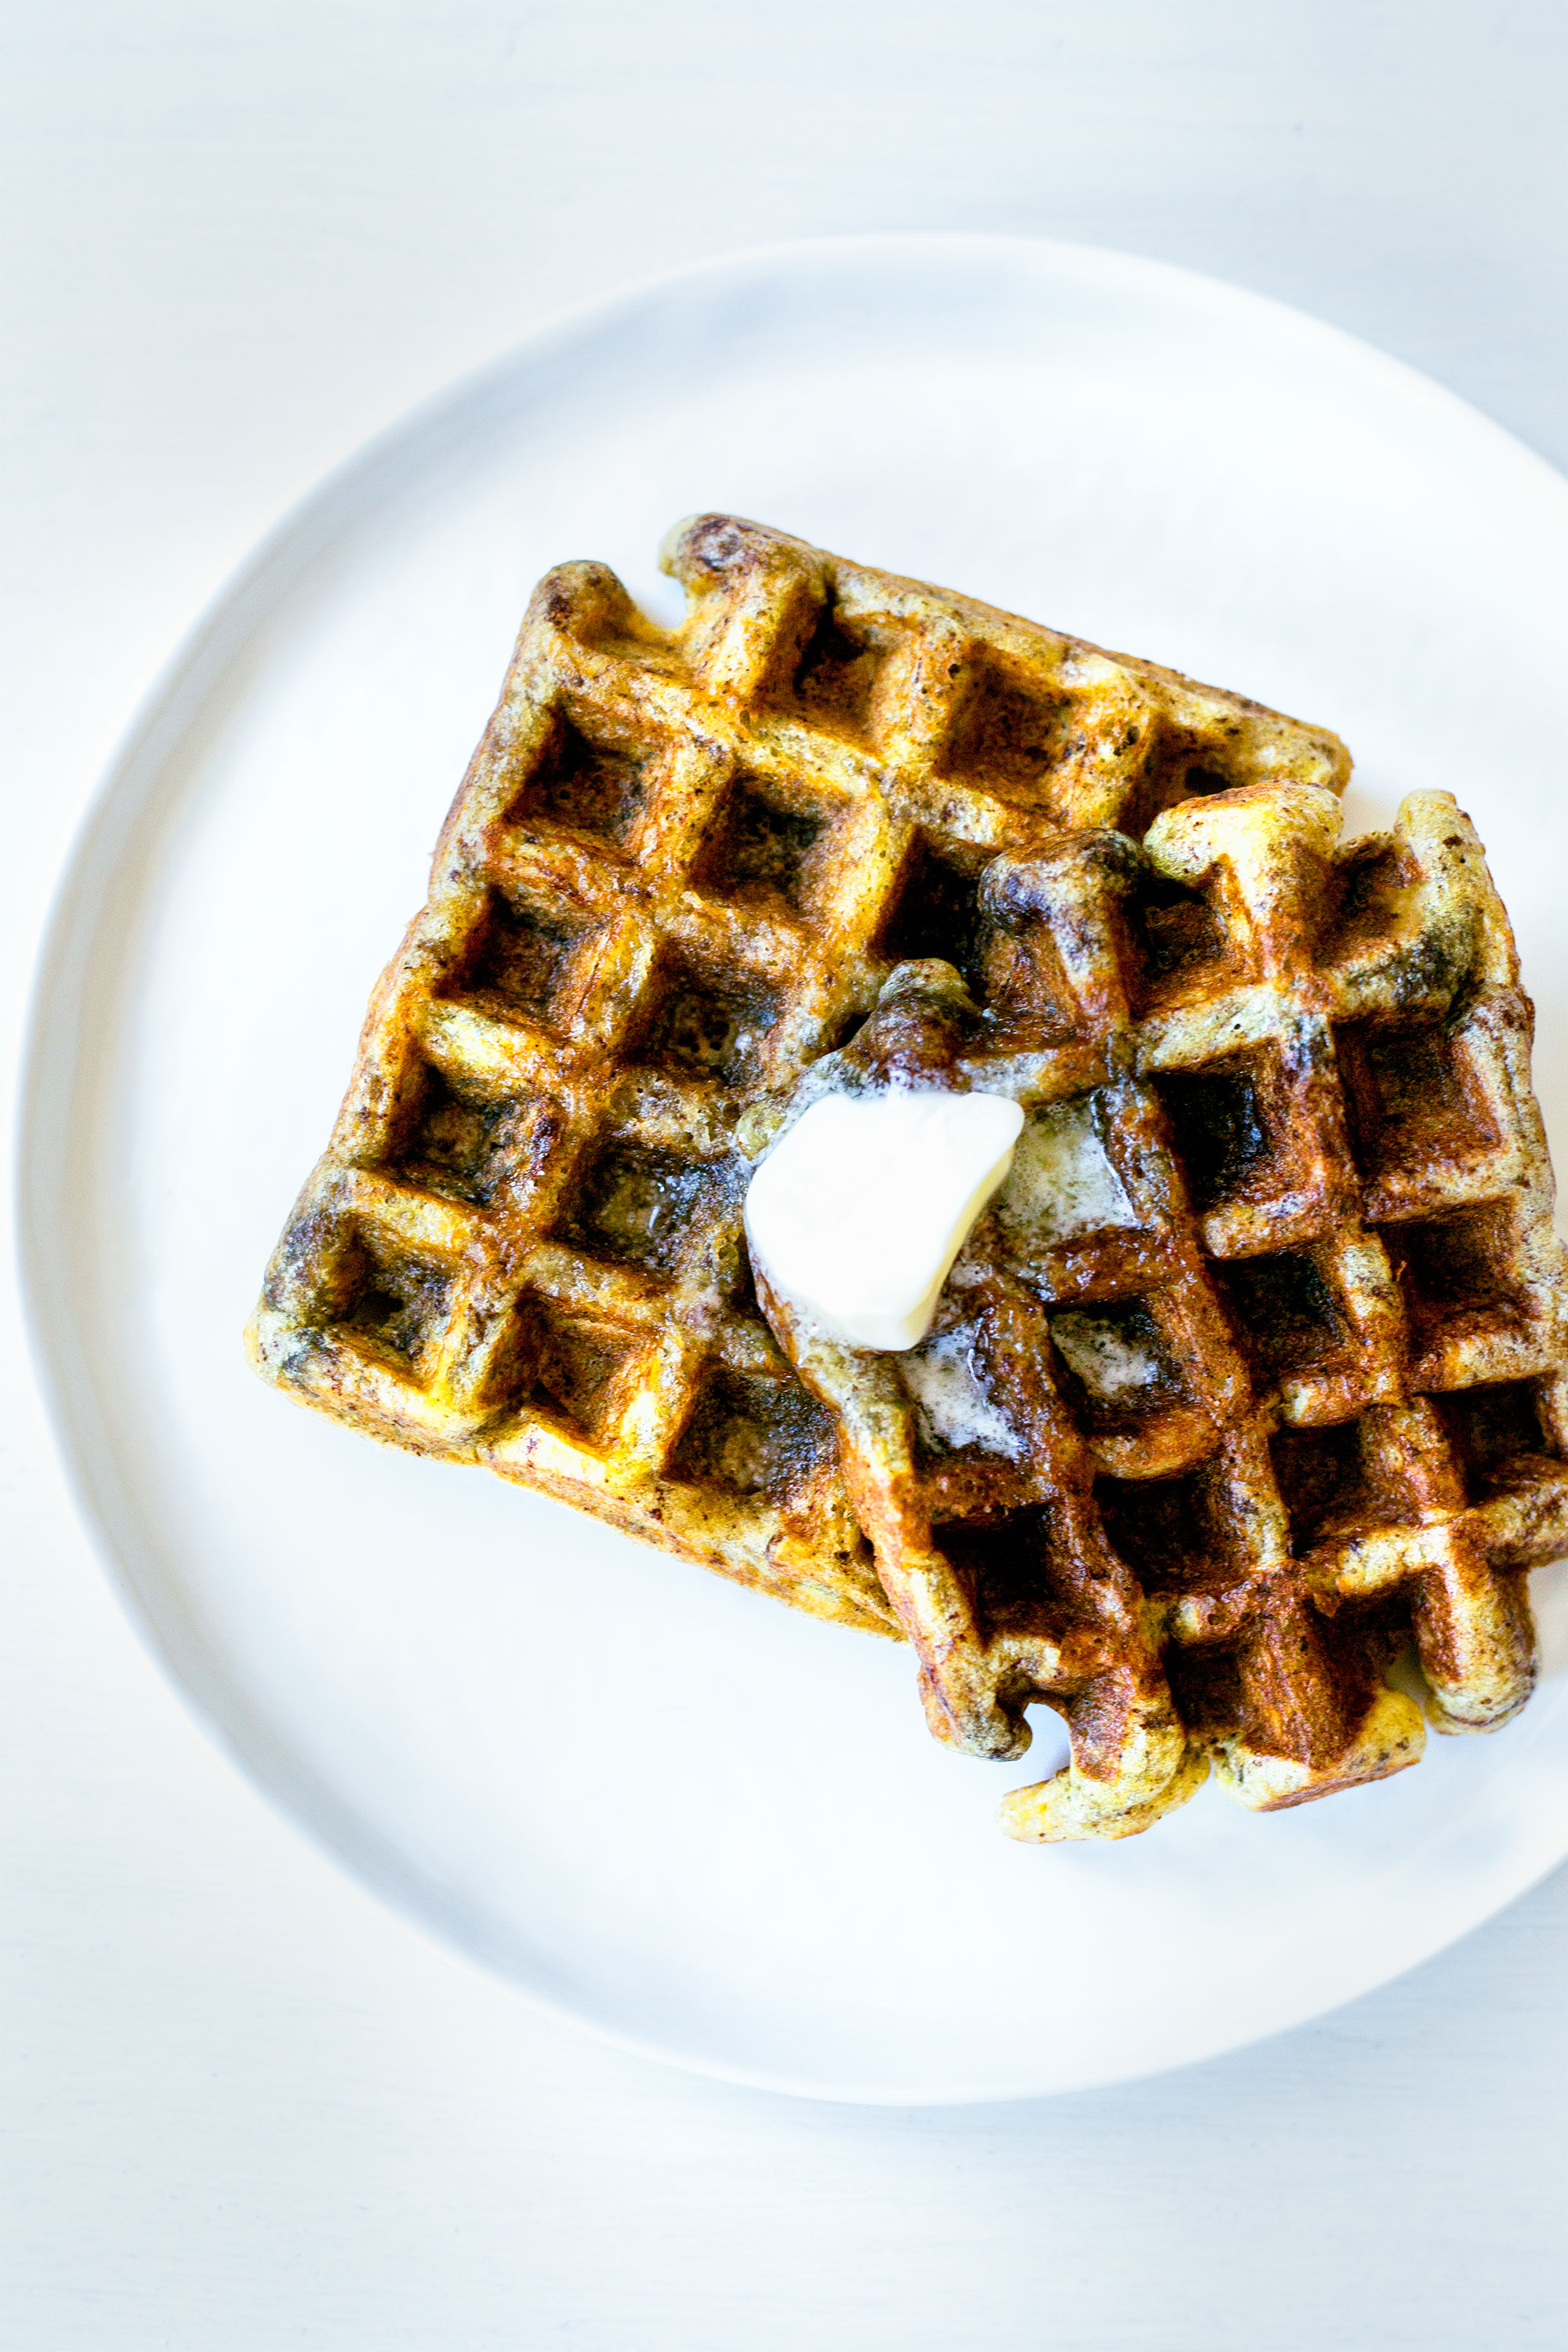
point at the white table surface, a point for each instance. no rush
(241, 2106)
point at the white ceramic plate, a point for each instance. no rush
(761, 1865)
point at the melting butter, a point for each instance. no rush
(857, 1212)
(955, 1407)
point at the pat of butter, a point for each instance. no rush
(857, 1212)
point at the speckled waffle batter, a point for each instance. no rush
(1254, 1373)
(681, 869)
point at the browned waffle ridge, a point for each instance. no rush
(682, 867)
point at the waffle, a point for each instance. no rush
(681, 868)
(1254, 1374)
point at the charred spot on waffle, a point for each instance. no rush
(759, 849)
(634, 1205)
(1022, 1572)
(1454, 1269)
(1175, 935)
(935, 910)
(836, 676)
(515, 958)
(1406, 1096)
(1361, 910)
(1496, 1434)
(390, 1297)
(1206, 1689)
(1284, 1312)
(465, 1148)
(585, 787)
(1361, 902)
(1007, 735)
(702, 1025)
(1329, 1483)
(1004, 1563)
(1159, 1526)
(1112, 1365)
(751, 1436)
(1220, 1129)
(1021, 977)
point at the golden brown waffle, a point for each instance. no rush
(1255, 1372)
(681, 868)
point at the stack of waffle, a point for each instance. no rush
(1251, 1376)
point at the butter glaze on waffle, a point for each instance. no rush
(680, 866)
(1272, 1384)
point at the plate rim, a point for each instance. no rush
(50, 1082)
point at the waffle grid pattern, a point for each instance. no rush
(1290, 1388)
(681, 868)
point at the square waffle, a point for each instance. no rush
(1253, 1375)
(682, 869)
